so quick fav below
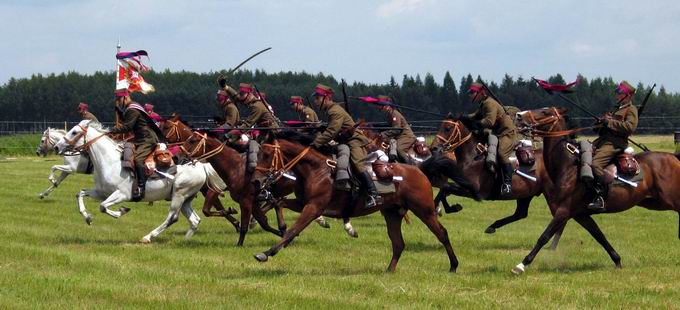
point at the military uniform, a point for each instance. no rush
(340, 121)
(405, 137)
(612, 140)
(230, 114)
(145, 136)
(491, 115)
(309, 116)
(89, 116)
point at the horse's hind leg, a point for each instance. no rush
(191, 216)
(115, 198)
(55, 184)
(308, 214)
(589, 224)
(558, 221)
(429, 217)
(393, 219)
(81, 203)
(175, 205)
(556, 238)
(349, 228)
(521, 212)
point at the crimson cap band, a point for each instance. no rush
(122, 93)
(625, 88)
(295, 99)
(246, 88)
(148, 107)
(475, 87)
(323, 90)
(83, 106)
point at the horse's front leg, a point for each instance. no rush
(309, 213)
(116, 197)
(81, 203)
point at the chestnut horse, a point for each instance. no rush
(316, 195)
(568, 199)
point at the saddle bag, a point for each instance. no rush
(525, 155)
(421, 149)
(163, 159)
(627, 164)
(383, 171)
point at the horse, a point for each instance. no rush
(113, 184)
(569, 197)
(315, 194)
(177, 131)
(73, 162)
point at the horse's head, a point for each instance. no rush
(451, 134)
(544, 119)
(175, 130)
(45, 143)
(73, 138)
(375, 140)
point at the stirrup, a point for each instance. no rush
(506, 189)
(597, 205)
(373, 200)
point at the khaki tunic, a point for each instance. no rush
(405, 138)
(308, 115)
(145, 138)
(338, 121)
(613, 137)
(231, 114)
(259, 115)
(89, 116)
(491, 115)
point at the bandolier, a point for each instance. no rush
(401, 131)
(146, 134)
(342, 129)
(617, 126)
(491, 115)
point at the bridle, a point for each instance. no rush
(47, 142)
(83, 134)
(174, 131)
(200, 151)
(553, 120)
(278, 165)
(455, 137)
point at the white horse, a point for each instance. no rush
(73, 162)
(113, 184)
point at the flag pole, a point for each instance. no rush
(115, 73)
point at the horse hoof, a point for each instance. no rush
(353, 233)
(457, 208)
(439, 211)
(88, 219)
(41, 196)
(231, 210)
(252, 225)
(261, 257)
(324, 224)
(124, 210)
(519, 269)
(490, 230)
(145, 240)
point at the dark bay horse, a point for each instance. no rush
(316, 195)
(658, 190)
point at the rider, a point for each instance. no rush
(146, 133)
(401, 136)
(305, 113)
(229, 109)
(154, 116)
(84, 111)
(260, 114)
(617, 126)
(342, 129)
(491, 115)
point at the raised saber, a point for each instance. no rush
(241, 64)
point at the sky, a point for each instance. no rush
(368, 41)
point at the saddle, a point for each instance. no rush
(625, 166)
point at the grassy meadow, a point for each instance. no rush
(49, 258)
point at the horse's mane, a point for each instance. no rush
(97, 125)
(294, 136)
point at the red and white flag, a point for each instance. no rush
(128, 72)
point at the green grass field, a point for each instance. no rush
(51, 259)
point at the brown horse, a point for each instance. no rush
(315, 195)
(658, 190)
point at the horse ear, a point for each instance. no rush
(450, 116)
(174, 117)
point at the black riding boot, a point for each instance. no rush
(373, 196)
(138, 191)
(506, 188)
(601, 191)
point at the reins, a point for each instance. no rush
(552, 120)
(201, 149)
(455, 138)
(278, 165)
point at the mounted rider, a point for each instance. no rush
(146, 137)
(401, 137)
(305, 114)
(154, 116)
(84, 111)
(342, 129)
(491, 115)
(617, 126)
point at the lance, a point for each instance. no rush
(222, 78)
(593, 115)
(344, 95)
(116, 108)
(494, 96)
(644, 102)
(411, 109)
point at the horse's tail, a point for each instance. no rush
(213, 179)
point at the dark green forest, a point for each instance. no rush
(55, 97)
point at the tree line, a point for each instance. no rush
(55, 97)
